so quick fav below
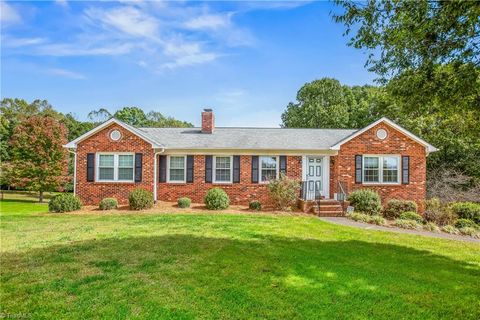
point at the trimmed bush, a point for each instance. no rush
(64, 202)
(407, 224)
(216, 199)
(284, 192)
(140, 199)
(450, 229)
(465, 223)
(360, 217)
(432, 227)
(378, 220)
(395, 207)
(469, 231)
(255, 205)
(438, 213)
(410, 215)
(108, 204)
(365, 200)
(184, 202)
(467, 210)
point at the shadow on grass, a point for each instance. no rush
(184, 276)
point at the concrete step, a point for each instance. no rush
(329, 207)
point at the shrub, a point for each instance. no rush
(469, 231)
(410, 215)
(184, 202)
(438, 213)
(64, 202)
(407, 224)
(430, 226)
(108, 204)
(395, 207)
(360, 217)
(255, 205)
(284, 192)
(216, 199)
(365, 200)
(465, 223)
(467, 210)
(450, 229)
(378, 220)
(140, 199)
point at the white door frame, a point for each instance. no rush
(325, 172)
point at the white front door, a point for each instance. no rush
(314, 175)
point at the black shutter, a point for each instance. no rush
(254, 169)
(283, 164)
(162, 169)
(138, 167)
(90, 167)
(405, 169)
(358, 169)
(208, 169)
(236, 169)
(189, 169)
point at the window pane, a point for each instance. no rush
(105, 173)
(371, 172)
(268, 166)
(177, 162)
(390, 169)
(125, 174)
(106, 160)
(177, 174)
(125, 161)
(177, 168)
(222, 169)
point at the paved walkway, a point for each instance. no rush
(367, 226)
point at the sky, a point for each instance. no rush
(245, 60)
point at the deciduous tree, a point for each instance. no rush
(39, 160)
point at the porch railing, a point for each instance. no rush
(310, 191)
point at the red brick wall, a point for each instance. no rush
(239, 193)
(343, 165)
(92, 193)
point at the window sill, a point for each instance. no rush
(381, 184)
(113, 182)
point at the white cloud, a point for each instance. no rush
(21, 42)
(65, 73)
(63, 49)
(209, 21)
(8, 14)
(62, 3)
(129, 20)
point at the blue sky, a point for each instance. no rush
(246, 60)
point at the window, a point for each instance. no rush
(223, 169)
(177, 169)
(381, 169)
(268, 169)
(115, 167)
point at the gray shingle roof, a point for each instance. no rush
(247, 138)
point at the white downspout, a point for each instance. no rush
(74, 171)
(155, 174)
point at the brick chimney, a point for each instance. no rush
(208, 121)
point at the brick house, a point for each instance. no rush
(114, 158)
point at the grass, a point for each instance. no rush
(242, 266)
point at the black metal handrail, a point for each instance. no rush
(310, 191)
(341, 195)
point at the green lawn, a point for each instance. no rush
(183, 266)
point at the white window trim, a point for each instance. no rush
(115, 167)
(184, 169)
(380, 173)
(277, 158)
(214, 173)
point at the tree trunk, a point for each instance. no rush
(40, 197)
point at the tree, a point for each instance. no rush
(158, 120)
(38, 157)
(99, 116)
(132, 115)
(326, 103)
(406, 35)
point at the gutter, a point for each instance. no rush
(74, 171)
